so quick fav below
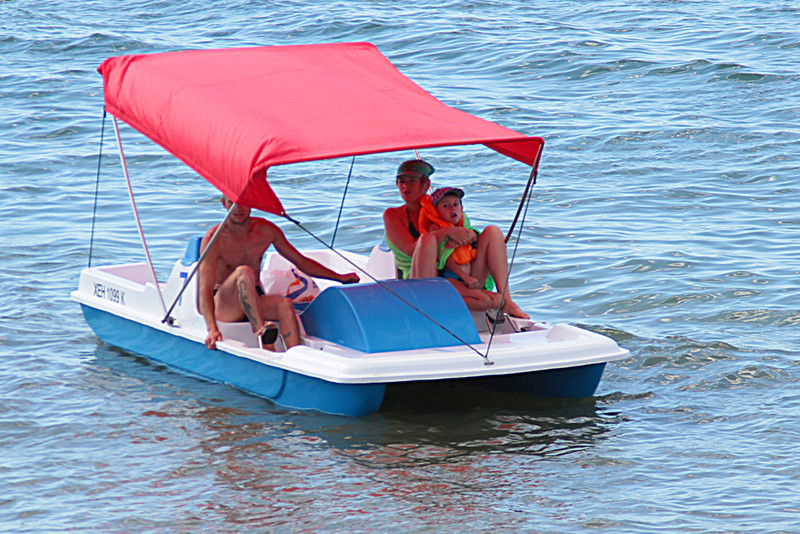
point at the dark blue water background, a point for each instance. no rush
(666, 216)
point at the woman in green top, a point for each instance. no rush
(417, 255)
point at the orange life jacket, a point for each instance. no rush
(428, 215)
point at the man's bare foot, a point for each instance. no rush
(510, 307)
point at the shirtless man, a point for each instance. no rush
(229, 278)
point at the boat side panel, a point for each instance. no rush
(570, 382)
(286, 388)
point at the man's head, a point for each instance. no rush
(447, 201)
(240, 215)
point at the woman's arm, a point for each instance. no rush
(396, 226)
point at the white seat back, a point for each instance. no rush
(381, 264)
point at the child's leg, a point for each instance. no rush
(463, 272)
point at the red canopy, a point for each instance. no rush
(231, 114)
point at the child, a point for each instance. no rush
(444, 208)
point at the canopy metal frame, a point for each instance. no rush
(167, 319)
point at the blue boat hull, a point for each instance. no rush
(570, 382)
(286, 388)
(295, 390)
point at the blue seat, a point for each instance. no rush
(192, 253)
(369, 318)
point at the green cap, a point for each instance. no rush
(415, 167)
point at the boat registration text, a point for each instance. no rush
(111, 294)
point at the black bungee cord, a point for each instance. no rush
(97, 186)
(341, 207)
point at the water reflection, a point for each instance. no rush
(418, 423)
(288, 449)
(443, 448)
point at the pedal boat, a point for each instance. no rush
(224, 113)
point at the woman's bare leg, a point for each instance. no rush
(475, 299)
(492, 259)
(424, 259)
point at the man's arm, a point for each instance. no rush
(207, 277)
(307, 265)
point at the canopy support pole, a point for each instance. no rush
(526, 199)
(136, 214)
(167, 318)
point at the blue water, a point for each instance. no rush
(665, 216)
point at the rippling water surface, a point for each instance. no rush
(666, 216)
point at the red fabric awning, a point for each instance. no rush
(230, 114)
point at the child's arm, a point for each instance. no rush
(469, 281)
(449, 243)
